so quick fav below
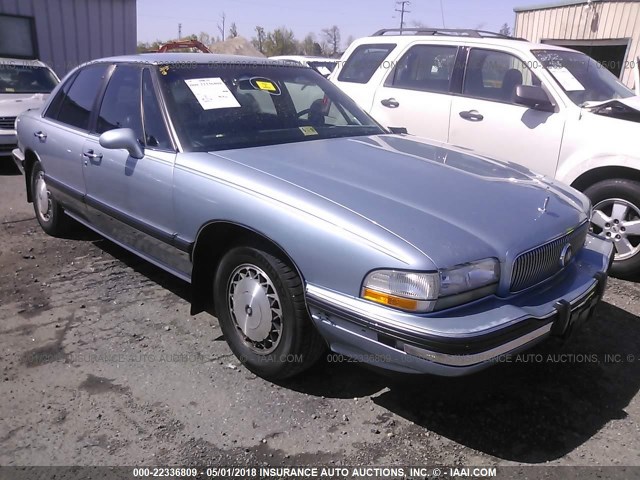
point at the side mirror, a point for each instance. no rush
(533, 97)
(124, 138)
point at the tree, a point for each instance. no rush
(221, 27)
(233, 30)
(205, 38)
(280, 42)
(258, 40)
(350, 40)
(309, 46)
(505, 30)
(332, 37)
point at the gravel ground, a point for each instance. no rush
(101, 364)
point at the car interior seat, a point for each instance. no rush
(512, 78)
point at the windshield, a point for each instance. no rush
(581, 77)
(26, 79)
(225, 106)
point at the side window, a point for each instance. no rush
(77, 104)
(121, 103)
(364, 61)
(495, 75)
(56, 103)
(155, 130)
(425, 67)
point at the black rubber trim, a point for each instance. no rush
(161, 235)
(446, 345)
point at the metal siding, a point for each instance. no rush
(617, 20)
(71, 32)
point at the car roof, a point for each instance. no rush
(517, 44)
(187, 58)
(304, 58)
(21, 62)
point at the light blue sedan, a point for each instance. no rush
(302, 223)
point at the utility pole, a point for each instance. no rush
(179, 31)
(403, 9)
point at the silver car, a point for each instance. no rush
(301, 223)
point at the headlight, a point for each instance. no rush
(412, 291)
(425, 292)
(469, 276)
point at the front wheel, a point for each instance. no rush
(262, 313)
(616, 215)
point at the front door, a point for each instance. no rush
(130, 199)
(486, 119)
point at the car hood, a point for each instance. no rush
(620, 108)
(13, 104)
(452, 206)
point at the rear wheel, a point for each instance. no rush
(616, 215)
(262, 313)
(49, 212)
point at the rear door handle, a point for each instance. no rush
(390, 103)
(472, 116)
(40, 135)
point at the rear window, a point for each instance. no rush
(364, 61)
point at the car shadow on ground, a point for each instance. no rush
(534, 408)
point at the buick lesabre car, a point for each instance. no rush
(301, 223)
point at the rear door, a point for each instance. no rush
(62, 135)
(485, 118)
(416, 93)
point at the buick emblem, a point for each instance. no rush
(566, 255)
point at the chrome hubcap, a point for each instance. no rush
(42, 197)
(255, 308)
(618, 220)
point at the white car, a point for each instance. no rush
(324, 66)
(551, 109)
(24, 84)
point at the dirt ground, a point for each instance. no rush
(101, 364)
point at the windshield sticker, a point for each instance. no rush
(266, 85)
(566, 79)
(212, 93)
(307, 131)
(164, 69)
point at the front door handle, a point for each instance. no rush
(93, 157)
(390, 103)
(472, 116)
(40, 135)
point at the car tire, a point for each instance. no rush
(49, 212)
(616, 215)
(262, 313)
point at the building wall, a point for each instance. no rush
(71, 32)
(603, 21)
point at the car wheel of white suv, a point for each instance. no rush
(616, 215)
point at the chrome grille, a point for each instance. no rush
(7, 123)
(534, 266)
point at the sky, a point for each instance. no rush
(158, 19)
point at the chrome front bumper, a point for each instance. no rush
(468, 338)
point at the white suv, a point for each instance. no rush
(551, 109)
(24, 84)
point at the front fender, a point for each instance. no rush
(585, 161)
